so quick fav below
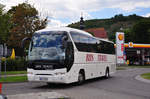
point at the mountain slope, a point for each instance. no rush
(112, 25)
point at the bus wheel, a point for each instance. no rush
(107, 75)
(81, 78)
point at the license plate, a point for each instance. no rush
(43, 78)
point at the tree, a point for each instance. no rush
(141, 31)
(119, 17)
(5, 26)
(128, 35)
(25, 21)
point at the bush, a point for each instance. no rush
(17, 64)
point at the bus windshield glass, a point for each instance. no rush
(48, 46)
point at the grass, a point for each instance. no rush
(121, 68)
(130, 67)
(146, 76)
(138, 66)
(13, 79)
(13, 72)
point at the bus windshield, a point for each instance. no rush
(48, 46)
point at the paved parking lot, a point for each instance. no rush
(122, 85)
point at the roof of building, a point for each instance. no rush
(135, 45)
(98, 32)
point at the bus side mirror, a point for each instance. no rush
(65, 38)
(23, 43)
(64, 42)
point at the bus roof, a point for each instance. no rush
(104, 40)
(68, 29)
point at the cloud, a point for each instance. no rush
(56, 23)
(62, 8)
(130, 5)
(72, 9)
(147, 15)
(9, 3)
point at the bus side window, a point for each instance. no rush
(98, 46)
(92, 45)
(80, 41)
(106, 47)
(76, 38)
(83, 43)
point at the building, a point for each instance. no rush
(98, 32)
(137, 54)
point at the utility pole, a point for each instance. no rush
(1, 54)
(5, 54)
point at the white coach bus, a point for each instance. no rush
(67, 55)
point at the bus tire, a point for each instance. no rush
(81, 77)
(107, 75)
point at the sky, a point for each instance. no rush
(64, 12)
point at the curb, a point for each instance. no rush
(39, 95)
(13, 75)
(138, 77)
(13, 82)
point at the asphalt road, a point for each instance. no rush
(122, 85)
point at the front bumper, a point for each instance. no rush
(48, 78)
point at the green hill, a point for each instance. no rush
(112, 25)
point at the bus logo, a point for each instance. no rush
(89, 57)
(102, 58)
(120, 37)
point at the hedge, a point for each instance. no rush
(17, 64)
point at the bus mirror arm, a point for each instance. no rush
(23, 41)
(64, 44)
